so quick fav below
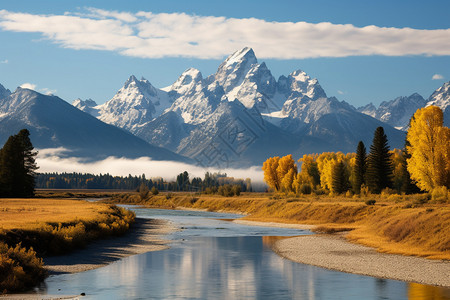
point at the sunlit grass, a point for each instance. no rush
(32, 228)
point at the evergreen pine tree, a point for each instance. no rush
(18, 166)
(359, 169)
(408, 186)
(339, 183)
(379, 165)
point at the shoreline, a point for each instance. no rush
(334, 252)
(143, 236)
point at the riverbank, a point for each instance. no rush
(143, 236)
(407, 227)
(336, 253)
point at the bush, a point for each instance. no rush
(143, 191)
(228, 190)
(155, 191)
(305, 188)
(440, 194)
(370, 202)
(20, 269)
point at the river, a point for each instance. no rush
(217, 259)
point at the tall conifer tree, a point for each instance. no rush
(359, 169)
(18, 166)
(379, 165)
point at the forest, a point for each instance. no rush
(422, 166)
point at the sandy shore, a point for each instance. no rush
(336, 253)
(274, 224)
(144, 236)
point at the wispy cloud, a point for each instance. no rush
(340, 92)
(49, 160)
(48, 91)
(5, 61)
(437, 77)
(33, 86)
(28, 85)
(155, 35)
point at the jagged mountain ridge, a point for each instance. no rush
(399, 111)
(54, 123)
(243, 113)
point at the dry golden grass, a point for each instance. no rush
(30, 213)
(395, 224)
(31, 228)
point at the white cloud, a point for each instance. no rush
(4, 61)
(48, 91)
(340, 92)
(150, 35)
(49, 160)
(27, 85)
(33, 86)
(437, 77)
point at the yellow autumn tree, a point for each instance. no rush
(279, 173)
(270, 172)
(429, 147)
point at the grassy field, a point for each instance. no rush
(33, 228)
(408, 225)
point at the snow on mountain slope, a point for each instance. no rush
(136, 103)
(441, 98)
(55, 123)
(88, 106)
(397, 112)
(4, 92)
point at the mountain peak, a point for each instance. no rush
(245, 54)
(4, 92)
(233, 70)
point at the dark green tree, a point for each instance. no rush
(359, 169)
(339, 181)
(18, 166)
(379, 165)
(183, 181)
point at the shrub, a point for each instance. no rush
(155, 191)
(305, 188)
(370, 202)
(143, 191)
(20, 269)
(440, 194)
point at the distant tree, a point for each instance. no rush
(143, 191)
(379, 166)
(18, 166)
(183, 181)
(359, 169)
(155, 191)
(429, 148)
(339, 181)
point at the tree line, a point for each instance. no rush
(18, 166)
(210, 183)
(423, 164)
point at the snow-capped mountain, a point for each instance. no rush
(441, 98)
(135, 104)
(4, 92)
(54, 123)
(397, 112)
(243, 114)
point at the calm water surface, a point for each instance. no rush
(215, 259)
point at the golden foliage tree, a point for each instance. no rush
(279, 173)
(429, 147)
(270, 172)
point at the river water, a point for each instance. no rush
(216, 259)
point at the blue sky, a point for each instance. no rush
(355, 63)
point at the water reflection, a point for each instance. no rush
(229, 268)
(234, 262)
